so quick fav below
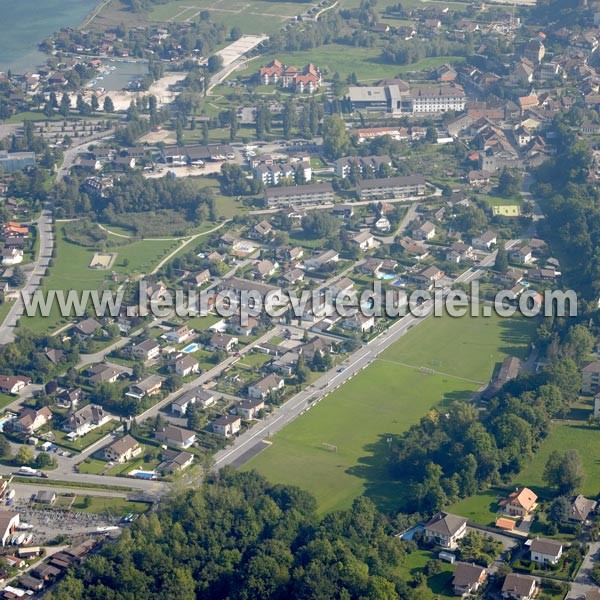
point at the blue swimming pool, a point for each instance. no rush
(399, 283)
(191, 348)
(385, 276)
(408, 535)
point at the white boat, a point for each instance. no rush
(13, 539)
(24, 526)
(21, 539)
(28, 539)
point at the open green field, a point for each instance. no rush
(71, 271)
(383, 401)
(366, 63)
(577, 436)
(258, 16)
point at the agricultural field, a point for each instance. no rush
(439, 361)
(71, 272)
(258, 16)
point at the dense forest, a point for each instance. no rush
(240, 537)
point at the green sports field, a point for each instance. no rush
(383, 401)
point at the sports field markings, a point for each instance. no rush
(429, 371)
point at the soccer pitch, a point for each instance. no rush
(441, 360)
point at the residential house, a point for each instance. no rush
(178, 335)
(249, 409)
(223, 341)
(199, 278)
(486, 240)
(85, 420)
(227, 425)
(148, 385)
(186, 365)
(30, 419)
(291, 277)
(203, 397)
(478, 178)
(590, 378)
(69, 398)
(521, 254)
(446, 529)
(146, 350)
(266, 386)
(468, 578)
(235, 325)
(429, 275)
(425, 231)
(264, 269)
(324, 258)
(359, 322)
(174, 461)
(262, 230)
(519, 503)
(123, 450)
(519, 587)
(12, 256)
(581, 508)
(13, 385)
(285, 365)
(545, 551)
(9, 521)
(364, 240)
(176, 436)
(87, 328)
(102, 373)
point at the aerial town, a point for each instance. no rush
(337, 148)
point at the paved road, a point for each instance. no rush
(71, 154)
(241, 448)
(34, 275)
(583, 582)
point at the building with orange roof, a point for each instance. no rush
(308, 80)
(507, 524)
(519, 503)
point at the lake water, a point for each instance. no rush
(25, 23)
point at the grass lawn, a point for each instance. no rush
(254, 360)
(383, 401)
(88, 439)
(5, 309)
(6, 399)
(202, 323)
(440, 585)
(71, 272)
(566, 437)
(481, 508)
(115, 506)
(92, 466)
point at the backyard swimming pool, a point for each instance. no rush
(191, 348)
(385, 276)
